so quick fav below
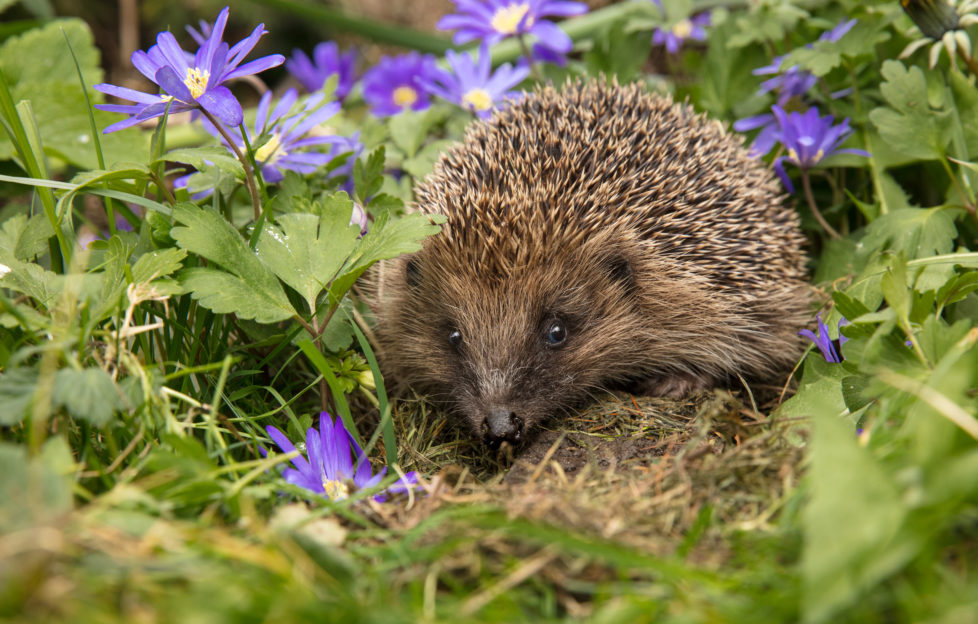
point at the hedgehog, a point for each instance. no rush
(597, 237)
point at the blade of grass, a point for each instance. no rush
(333, 19)
(386, 422)
(14, 125)
(342, 406)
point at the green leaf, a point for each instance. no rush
(34, 490)
(22, 238)
(821, 57)
(225, 293)
(388, 237)
(41, 55)
(767, 22)
(17, 386)
(88, 394)
(207, 157)
(155, 264)
(966, 102)
(39, 68)
(820, 388)
(849, 307)
(917, 232)
(338, 333)
(368, 176)
(307, 251)
(410, 129)
(382, 202)
(909, 124)
(424, 162)
(854, 392)
(253, 290)
(894, 288)
(851, 522)
(618, 52)
(957, 288)
(33, 280)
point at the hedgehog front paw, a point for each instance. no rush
(674, 386)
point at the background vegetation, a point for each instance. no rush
(149, 335)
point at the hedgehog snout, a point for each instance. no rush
(501, 425)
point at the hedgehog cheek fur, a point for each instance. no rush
(508, 351)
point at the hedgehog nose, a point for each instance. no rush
(502, 424)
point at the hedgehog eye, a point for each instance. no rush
(455, 338)
(556, 334)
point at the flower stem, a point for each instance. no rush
(534, 69)
(970, 62)
(811, 204)
(968, 204)
(249, 172)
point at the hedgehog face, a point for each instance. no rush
(508, 351)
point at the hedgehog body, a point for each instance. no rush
(595, 236)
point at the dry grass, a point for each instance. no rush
(653, 477)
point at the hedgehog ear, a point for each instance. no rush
(619, 269)
(412, 272)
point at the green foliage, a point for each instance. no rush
(39, 67)
(88, 394)
(138, 373)
(906, 92)
(246, 287)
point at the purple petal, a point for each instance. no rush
(317, 459)
(750, 123)
(220, 103)
(208, 52)
(550, 36)
(779, 169)
(287, 447)
(245, 46)
(254, 67)
(167, 78)
(145, 63)
(272, 175)
(121, 125)
(302, 480)
(127, 94)
(172, 52)
(563, 8)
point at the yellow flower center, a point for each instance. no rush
(336, 490)
(793, 155)
(196, 81)
(683, 29)
(405, 96)
(265, 153)
(477, 99)
(507, 19)
(819, 155)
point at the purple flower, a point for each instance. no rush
(329, 470)
(686, 28)
(394, 84)
(794, 82)
(471, 83)
(838, 31)
(831, 349)
(494, 20)
(791, 83)
(809, 138)
(769, 135)
(326, 61)
(293, 138)
(190, 82)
